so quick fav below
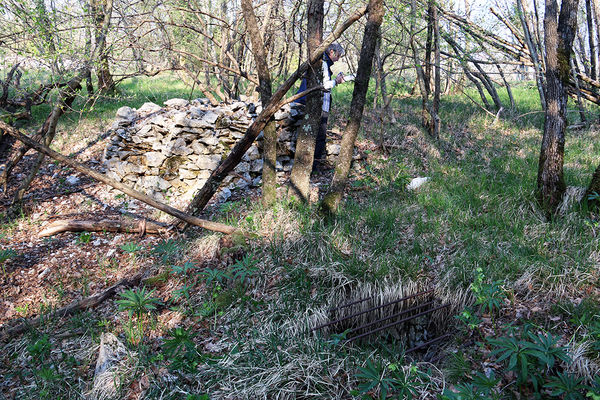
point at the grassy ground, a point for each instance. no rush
(518, 283)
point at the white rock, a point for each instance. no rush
(176, 103)
(149, 108)
(108, 375)
(333, 149)
(417, 182)
(208, 161)
(210, 117)
(154, 159)
(256, 165)
(45, 272)
(126, 113)
(209, 140)
(72, 180)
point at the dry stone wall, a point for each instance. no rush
(169, 152)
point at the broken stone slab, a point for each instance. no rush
(209, 140)
(126, 113)
(176, 103)
(111, 366)
(253, 153)
(154, 159)
(149, 108)
(155, 182)
(333, 149)
(209, 161)
(199, 148)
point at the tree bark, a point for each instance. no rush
(594, 188)
(307, 135)
(533, 53)
(204, 195)
(259, 51)
(332, 200)
(590, 25)
(101, 13)
(105, 225)
(559, 36)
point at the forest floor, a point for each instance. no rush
(230, 316)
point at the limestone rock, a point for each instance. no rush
(110, 368)
(176, 103)
(154, 159)
(126, 113)
(149, 108)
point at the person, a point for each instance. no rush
(333, 53)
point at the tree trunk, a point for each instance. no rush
(438, 71)
(66, 98)
(204, 195)
(594, 188)
(269, 174)
(559, 36)
(590, 25)
(332, 200)
(307, 135)
(101, 13)
(533, 53)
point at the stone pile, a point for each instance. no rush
(169, 152)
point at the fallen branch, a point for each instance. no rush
(105, 225)
(190, 219)
(86, 303)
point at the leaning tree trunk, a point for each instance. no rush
(204, 195)
(559, 36)
(307, 135)
(340, 178)
(259, 51)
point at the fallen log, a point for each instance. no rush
(86, 303)
(190, 219)
(105, 225)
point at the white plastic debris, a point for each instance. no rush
(417, 182)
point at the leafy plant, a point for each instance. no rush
(84, 237)
(469, 318)
(6, 254)
(137, 302)
(567, 386)
(529, 358)
(244, 268)
(214, 276)
(183, 269)
(167, 249)
(181, 350)
(487, 295)
(390, 380)
(130, 248)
